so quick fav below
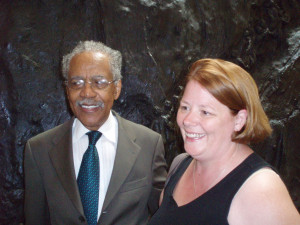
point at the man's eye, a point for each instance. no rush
(77, 82)
(100, 81)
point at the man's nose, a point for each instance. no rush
(88, 90)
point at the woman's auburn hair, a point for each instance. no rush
(234, 87)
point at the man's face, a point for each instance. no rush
(90, 104)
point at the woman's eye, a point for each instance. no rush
(183, 108)
(205, 113)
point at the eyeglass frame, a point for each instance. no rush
(92, 84)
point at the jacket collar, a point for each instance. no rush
(126, 154)
(61, 156)
(62, 159)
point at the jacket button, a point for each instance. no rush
(81, 218)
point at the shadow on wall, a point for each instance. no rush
(10, 174)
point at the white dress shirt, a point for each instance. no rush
(106, 147)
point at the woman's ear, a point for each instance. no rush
(240, 120)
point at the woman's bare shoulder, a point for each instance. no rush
(263, 199)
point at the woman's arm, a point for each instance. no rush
(263, 199)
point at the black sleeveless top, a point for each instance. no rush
(213, 206)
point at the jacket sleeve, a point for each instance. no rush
(159, 170)
(36, 210)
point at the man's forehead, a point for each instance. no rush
(90, 57)
(90, 63)
(99, 55)
(94, 54)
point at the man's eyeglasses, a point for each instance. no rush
(95, 82)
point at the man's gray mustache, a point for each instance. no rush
(90, 102)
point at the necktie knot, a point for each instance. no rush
(93, 137)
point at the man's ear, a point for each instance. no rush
(67, 92)
(118, 88)
(240, 120)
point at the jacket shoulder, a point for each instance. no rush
(53, 133)
(136, 128)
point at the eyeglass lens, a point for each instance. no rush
(95, 82)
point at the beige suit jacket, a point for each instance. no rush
(51, 192)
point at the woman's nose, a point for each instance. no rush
(191, 119)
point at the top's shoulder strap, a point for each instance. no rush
(176, 162)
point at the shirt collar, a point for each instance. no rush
(109, 129)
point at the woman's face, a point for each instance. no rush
(206, 124)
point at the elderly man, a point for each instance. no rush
(96, 168)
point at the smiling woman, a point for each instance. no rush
(200, 118)
(235, 88)
(222, 181)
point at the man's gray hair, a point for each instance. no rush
(115, 57)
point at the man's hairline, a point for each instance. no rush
(94, 51)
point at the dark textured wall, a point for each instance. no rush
(158, 39)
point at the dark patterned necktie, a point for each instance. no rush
(88, 179)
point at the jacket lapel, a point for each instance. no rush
(62, 159)
(127, 152)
